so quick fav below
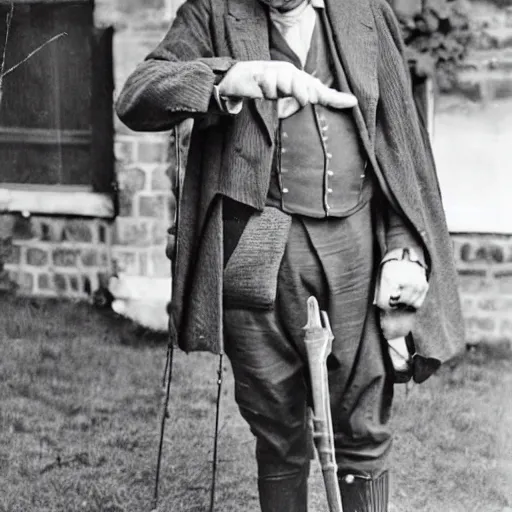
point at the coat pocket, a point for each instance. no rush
(250, 276)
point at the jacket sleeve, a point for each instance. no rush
(399, 234)
(176, 80)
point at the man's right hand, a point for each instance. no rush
(275, 79)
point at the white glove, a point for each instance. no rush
(402, 282)
(401, 289)
(275, 79)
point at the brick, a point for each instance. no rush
(51, 230)
(5, 247)
(132, 179)
(160, 265)
(77, 231)
(473, 281)
(14, 256)
(26, 282)
(60, 283)
(156, 206)
(134, 232)
(45, 231)
(159, 233)
(126, 262)
(44, 282)
(74, 283)
(161, 179)
(103, 259)
(14, 276)
(37, 257)
(89, 258)
(482, 252)
(102, 234)
(495, 304)
(125, 198)
(505, 328)
(124, 150)
(86, 284)
(5, 281)
(6, 225)
(480, 325)
(103, 279)
(143, 264)
(23, 229)
(65, 257)
(134, 7)
(153, 152)
(504, 282)
(467, 304)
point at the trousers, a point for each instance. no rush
(334, 260)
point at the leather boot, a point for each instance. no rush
(361, 493)
(287, 493)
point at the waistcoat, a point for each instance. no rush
(319, 163)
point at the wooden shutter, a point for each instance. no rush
(56, 111)
(102, 114)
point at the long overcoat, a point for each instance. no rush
(232, 155)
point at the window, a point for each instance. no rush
(56, 119)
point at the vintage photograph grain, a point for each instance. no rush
(255, 256)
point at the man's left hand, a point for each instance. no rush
(402, 283)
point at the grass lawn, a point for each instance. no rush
(80, 399)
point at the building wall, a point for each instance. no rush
(473, 130)
(75, 256)
(145, 163)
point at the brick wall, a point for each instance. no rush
(58, 256)
(484, 263)
(473, 126)
(52, 256)
(144, 162)
(73, 256)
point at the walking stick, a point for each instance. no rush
(167, 377)
(318, 339)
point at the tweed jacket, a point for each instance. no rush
(231, 156)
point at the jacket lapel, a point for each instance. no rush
(355, 38)
(248, 38)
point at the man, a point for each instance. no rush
(308, 173)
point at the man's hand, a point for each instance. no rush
(402, 284)
(275, 79)
(401, 289)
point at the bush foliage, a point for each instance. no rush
(437, 34)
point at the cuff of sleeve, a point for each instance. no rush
(405, 254)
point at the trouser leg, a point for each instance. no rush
(360, 388)
(270, 391)
(332, 260)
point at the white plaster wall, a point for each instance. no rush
(473, 149)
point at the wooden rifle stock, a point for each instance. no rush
(318, 339)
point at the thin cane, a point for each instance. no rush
(170, 348)
(216, 439)
(165, 415)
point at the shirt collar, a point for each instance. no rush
(318, 4)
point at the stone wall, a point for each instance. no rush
(473, 129)
(55, 256)
(484, 263)
(144, 162)
(52, 256)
